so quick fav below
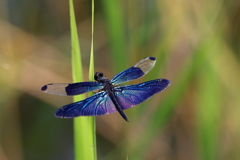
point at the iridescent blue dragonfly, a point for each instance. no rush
(110, 98)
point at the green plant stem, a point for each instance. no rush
(84, 131)
(91, 78)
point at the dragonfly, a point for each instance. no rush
(110, 98)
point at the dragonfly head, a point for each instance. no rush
(99, 76)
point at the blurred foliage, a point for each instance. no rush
(197, 47)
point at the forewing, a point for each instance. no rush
(96, 105)
(70, 89)
(131, 95)
(137, 71)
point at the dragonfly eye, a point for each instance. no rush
(98, 76)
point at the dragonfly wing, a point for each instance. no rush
(70, 89)
(137, 71)
(131, 95)
(96, 105)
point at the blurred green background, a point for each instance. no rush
(197, 46)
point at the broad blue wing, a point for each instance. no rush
(137, 71)
(132, 95)
(96, 105)
(71, 89)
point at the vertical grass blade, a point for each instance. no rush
(83, 126)
(91, 78)
(91, 66)
(116, 30)
(208, 107)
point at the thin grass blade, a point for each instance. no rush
(83, 126)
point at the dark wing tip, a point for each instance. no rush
(166, 81)
(62, 113)
(152, 58)
(59, 113)
(44, 88)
